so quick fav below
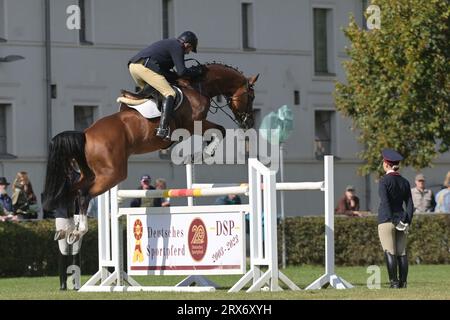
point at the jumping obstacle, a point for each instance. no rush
(262, 209)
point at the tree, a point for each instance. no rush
(398, 82)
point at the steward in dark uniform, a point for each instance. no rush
(394, 218)
(153, 65)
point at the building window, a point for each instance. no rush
(167, 19)
(248, 42)
(2, 21)
(84, 117)
(323, 41)
(85, 33)
(5, 126)
(324, 125)
(296, 97)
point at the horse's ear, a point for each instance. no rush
(253, 79)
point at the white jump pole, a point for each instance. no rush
(189, 181)
(330, 277)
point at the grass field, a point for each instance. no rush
(425, 282)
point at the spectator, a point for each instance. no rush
(349, 203)
(229, 199)
(423, 198)
(443, 197)
(23, 199)
(146, 202)
(161, 184)
(6, 208)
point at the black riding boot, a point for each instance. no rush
(76, 262)
(62, 269)
(391, 263)
(403, 270)
(164, 131)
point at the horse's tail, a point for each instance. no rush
(64, 147)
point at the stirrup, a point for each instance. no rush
(163, 133)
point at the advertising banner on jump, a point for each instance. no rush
(186, 244)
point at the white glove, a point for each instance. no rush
(402, 227)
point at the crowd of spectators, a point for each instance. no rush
(22, 205)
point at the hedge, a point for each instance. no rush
(28, 248)
(357, 243)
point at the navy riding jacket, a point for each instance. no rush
(394, 191)
(162, 56)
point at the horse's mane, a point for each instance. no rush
(224, 65)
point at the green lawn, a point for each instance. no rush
(425, 282)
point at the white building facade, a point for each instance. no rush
(72, 77)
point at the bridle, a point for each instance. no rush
(241, 117)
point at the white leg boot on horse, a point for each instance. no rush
(81, 227)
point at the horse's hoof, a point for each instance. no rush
(73, 237)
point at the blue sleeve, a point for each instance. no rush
(177, 54)
(436, 201)
(385, 205)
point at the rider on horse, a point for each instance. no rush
(153, 65)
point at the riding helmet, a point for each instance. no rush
(191, 38)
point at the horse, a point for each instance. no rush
(101, 152)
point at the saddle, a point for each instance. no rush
(148, 93)
(148, 102)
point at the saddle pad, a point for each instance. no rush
(149, 108)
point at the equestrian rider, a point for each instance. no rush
(393, 218)
(153, 65)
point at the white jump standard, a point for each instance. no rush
(262, 209)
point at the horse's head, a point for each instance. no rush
(221, 79)
(241, 103)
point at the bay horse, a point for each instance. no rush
(101, 152)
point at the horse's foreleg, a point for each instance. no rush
(217, 137)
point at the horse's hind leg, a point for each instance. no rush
(104, 182)
(83, 202)
(81, 229)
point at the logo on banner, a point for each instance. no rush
(198, 239)
(138, 231)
